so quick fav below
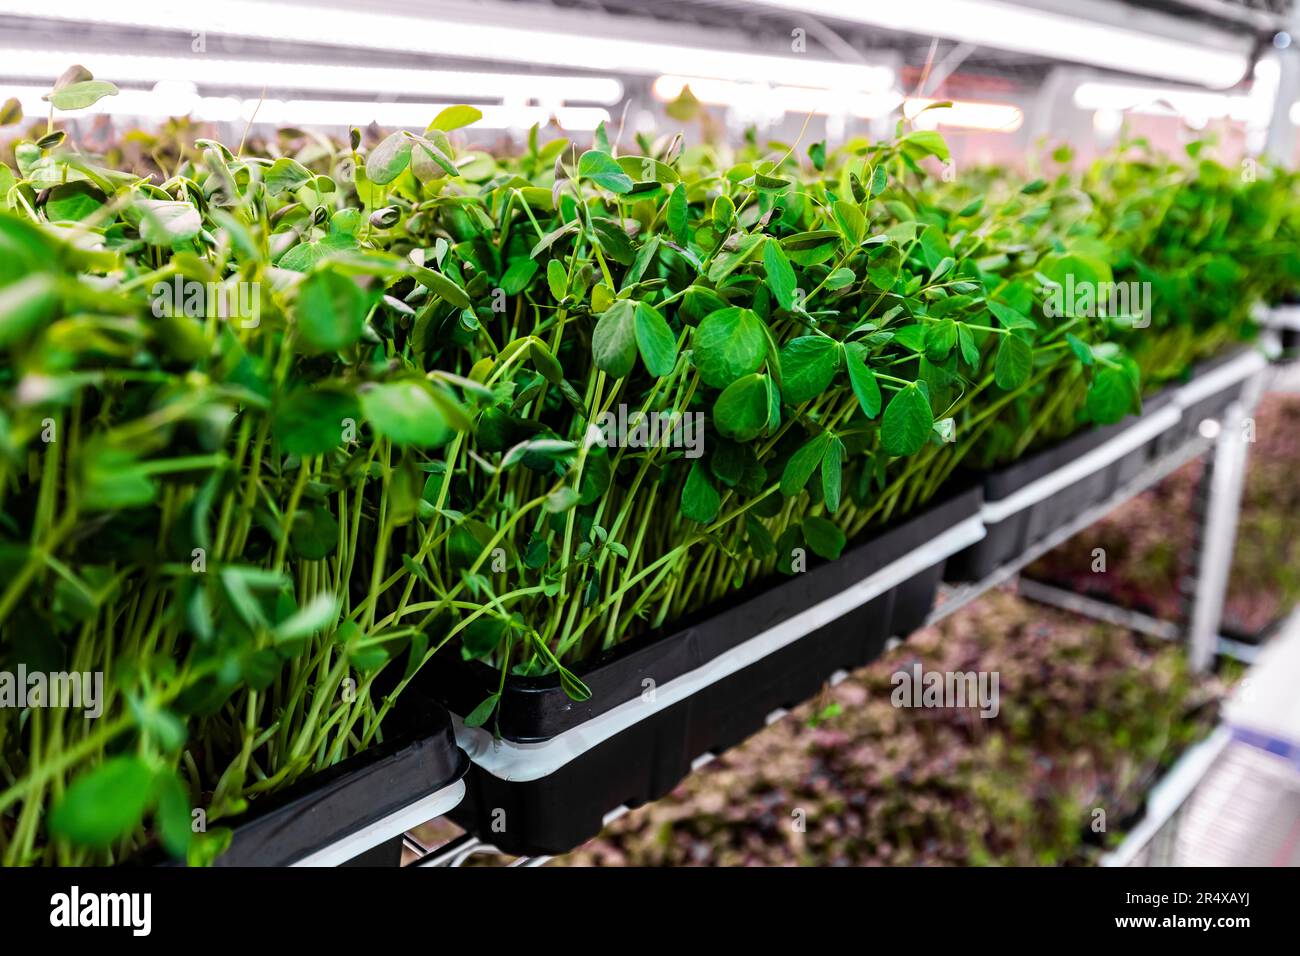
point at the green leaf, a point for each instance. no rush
(285, 174)
(173, 816)
(71, 202)
(1010, 318)
(728, 344)
(331, 311)
(443, 287)
(966, 341)
(315, 534)
(906, 425)
(1013, 364)
(741, 411)
(677, 210)
(561, 499)
(311, 421)
(614, 240)
(104, 804)
(614, 341)
(1082, 351)
(656, 341)
(77, 96)
(940, 340)
(431, 157)
(25, 306)
(808, 365)
(803, 463)
(879, 179)
(925, 142)
(572, 686)
(406, 414)
(480, 714)
(832, 468)
(700, 500)
(545, 362)
(114, 479)
(824, 537)
(163, 222)
(319, 614)
(302, 257)
(387, 160)
(780, 274)
(481, 637)
(518, 276)
(1111, 396)
(852, 224)
(602, 170)
(456, 117)
(557, 280)
(864, 382)
(11, 111)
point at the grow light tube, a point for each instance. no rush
(168, 100)
(432, 35)
(256, 74)
(994, 117)
(1026, 29)
(785, 99)
(964, 114)
(1193, 105)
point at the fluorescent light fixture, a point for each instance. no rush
(1107, 122)
(178, 99)
(761, 97)
(434, 35)
(256, 74)
(964, 114)
(1027, 29)
(418, 115)
(758, 100)
(1195, 106)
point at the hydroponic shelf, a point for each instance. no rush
(560, 770)
(657, 705)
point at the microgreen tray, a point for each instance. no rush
(355, 810)
(659, 704)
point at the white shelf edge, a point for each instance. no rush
(394, 824)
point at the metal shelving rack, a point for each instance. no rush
(1222, 447)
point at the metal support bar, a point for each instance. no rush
(1279, 142)
(1226, 474)
(1098, 610)
(455, 852)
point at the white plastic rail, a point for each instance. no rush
(394, 825)
(1128, 440)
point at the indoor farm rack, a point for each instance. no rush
(612, 451)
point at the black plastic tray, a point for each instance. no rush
(1010, 537)
(420, 759)
(559, 811)
(1212, 406)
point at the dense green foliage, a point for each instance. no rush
(259, 522)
